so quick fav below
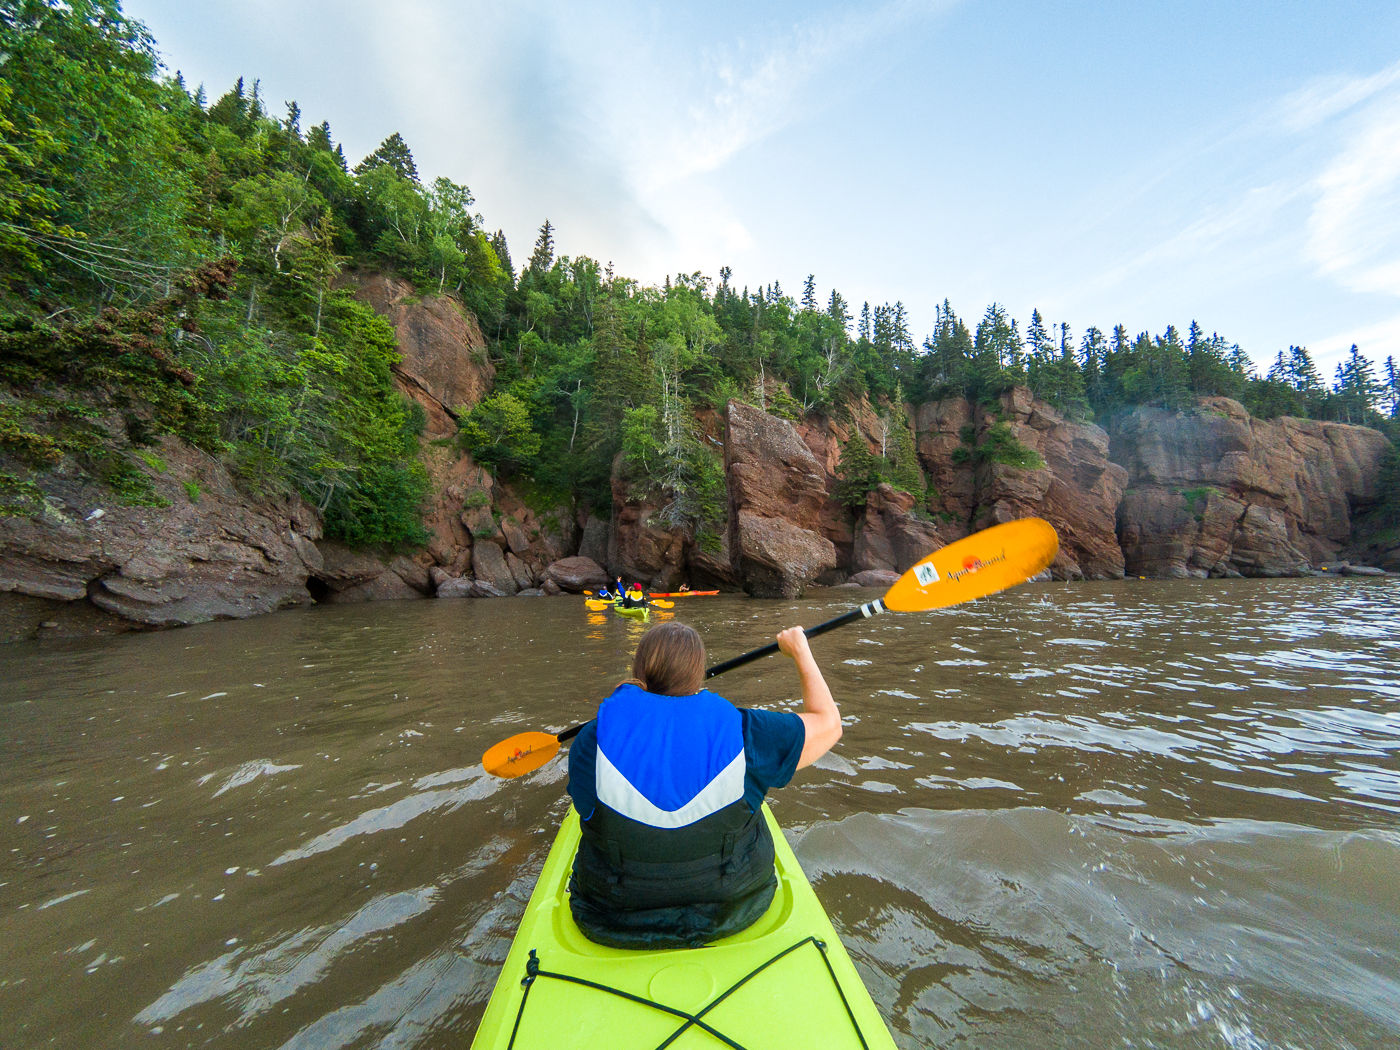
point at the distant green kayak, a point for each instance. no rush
(641, 613)
(784, 982)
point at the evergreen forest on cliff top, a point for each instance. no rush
(176, 265)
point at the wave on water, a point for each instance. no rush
(979, 925)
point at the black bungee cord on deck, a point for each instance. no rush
(533, 971)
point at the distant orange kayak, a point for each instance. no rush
(681, 594)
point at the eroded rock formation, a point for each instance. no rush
(1215, 492)
(1205, 492)
(444, 364)
(777, 490)
(212, 554)
(1077, 491)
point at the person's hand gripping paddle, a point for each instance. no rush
(981, 564)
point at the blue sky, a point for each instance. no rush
(1138, 163)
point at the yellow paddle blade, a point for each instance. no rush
(521, 754)
(661, 604)
(981, 564)
(596, 604)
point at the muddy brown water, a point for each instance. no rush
(1136, 814)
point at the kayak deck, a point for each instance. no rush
(785, 981)
(641, 613)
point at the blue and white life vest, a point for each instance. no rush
(668, 761)
(672, 854)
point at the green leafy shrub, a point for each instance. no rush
(1000, 445)
(497, 432)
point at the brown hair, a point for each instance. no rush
(670, 660)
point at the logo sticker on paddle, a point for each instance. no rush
(981, 564)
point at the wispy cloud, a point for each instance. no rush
(1302, 191)
(674, 112)
(1379, 340)
(1354, 229)
(741, 92)
(1327, 97)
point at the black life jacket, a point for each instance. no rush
(671, 856)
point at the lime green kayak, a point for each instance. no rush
(786, 981)
(640, 613)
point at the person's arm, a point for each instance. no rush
(820, 716)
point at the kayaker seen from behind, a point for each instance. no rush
(668, 781)
(633, 598)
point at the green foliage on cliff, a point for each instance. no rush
(118, 184)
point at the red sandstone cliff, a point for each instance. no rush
(1206, 492)
(1215, 492)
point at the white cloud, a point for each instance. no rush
(1327, 97)
(663, 114)
(1376, 341)
(1354, 229)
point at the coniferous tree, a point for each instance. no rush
(864, 331)
(1041, 357)
(394, 154)
(498, 245)
(542, 258)
(1358, 393)
(837, 311)
(998, 345)
(292, 124)
(809, 293)
(319, 137)
(1038, 341)
(859, 471)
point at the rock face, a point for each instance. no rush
(445, 365)
(218, 556)
(1077, 491)
(594, 541)
(1215, 492)
(360, 576)
(641, 548)
(824, 437)
(576, 574)
(938, 429)
(889, 537)
(777, 491)
(489, 566)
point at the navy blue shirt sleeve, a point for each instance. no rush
(583, 764)
(772, 746)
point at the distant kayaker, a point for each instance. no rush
(633, 599)
(669, 780)
(684, 589)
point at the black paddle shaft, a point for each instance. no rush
(865, 611)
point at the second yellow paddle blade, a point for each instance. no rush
(981, 564)
(521, 754)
